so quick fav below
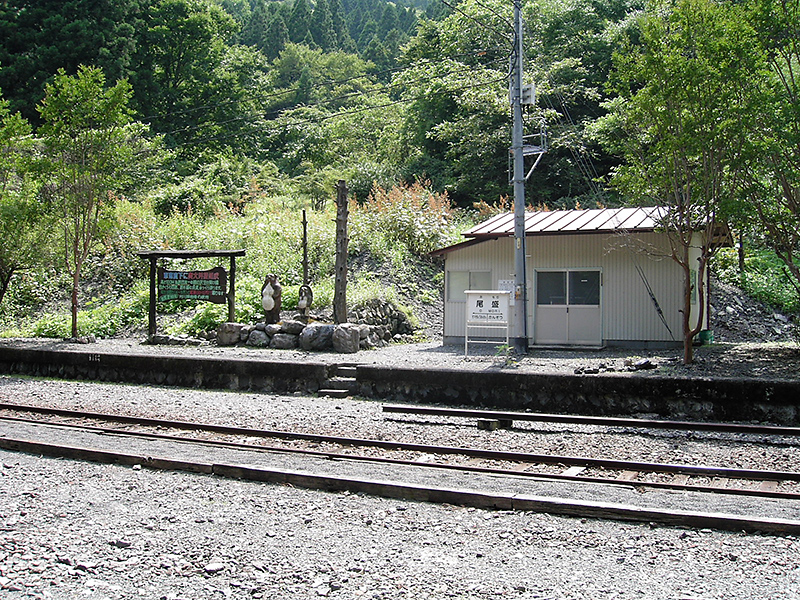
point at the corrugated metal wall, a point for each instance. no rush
(629, 314)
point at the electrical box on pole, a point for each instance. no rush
(528, 95)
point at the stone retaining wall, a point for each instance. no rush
(191, 372)
(670, 398)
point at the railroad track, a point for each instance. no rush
(470, 462)
(506, 419)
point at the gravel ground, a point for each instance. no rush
(78, 530)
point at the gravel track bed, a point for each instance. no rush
(78, 530)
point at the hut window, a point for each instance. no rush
(584, 288)
(460, 281)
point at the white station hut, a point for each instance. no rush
(595, 278)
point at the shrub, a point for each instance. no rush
(765, 277)
(406, 220)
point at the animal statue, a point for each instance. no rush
(304, 299)
(271, 299)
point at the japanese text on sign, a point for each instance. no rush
(489, 307)
(209, 286)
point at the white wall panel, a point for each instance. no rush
(628, 311)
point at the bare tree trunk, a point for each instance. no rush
(76, 280)
(340, 284)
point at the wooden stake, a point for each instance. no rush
(340, 284)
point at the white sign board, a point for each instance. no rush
(490, 307)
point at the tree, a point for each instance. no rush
(37, 37)
(21, 226)
(687, 100)
(277, 37)
(182, 46)
(321, 26)
(774, 162)
(299, 21)
(456, 127)
(254, 32)
(90, 146)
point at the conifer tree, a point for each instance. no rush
(321, 26)
(344, 40)
(254, 32)
(277, 37)
(298, 21)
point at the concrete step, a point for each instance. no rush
(346, 370)
(341, 383)
(334, 393)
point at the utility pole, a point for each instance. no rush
(521, 94)
(520, 336)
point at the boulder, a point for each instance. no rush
(228, 334)
(258, 339)
(346, 338)
(283, 341)
(292, 327)
(317, 336)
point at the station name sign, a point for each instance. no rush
(487, 306)
(208, 286)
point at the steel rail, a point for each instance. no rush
(590, 420)
(686, 487)
(519, 457)
(424, 493)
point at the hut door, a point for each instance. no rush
(568, 307)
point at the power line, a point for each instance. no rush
(332, 83)
(321, 118)
(323, 102)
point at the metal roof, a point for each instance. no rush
(572, 221)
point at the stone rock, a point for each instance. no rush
(228, 334)
(214, 567)
(317, 336)
(272, 328)
(245, 332)
(346, 338)
(258, 339)
(292, 327)
(283, 341)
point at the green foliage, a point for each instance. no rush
(106, 319)
(90, 148)
(765, 277)
(406, 221)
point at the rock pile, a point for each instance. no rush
(735, 317)
(373, 326)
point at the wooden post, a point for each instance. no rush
(151, 313)
(340, 284)
(305, 248)
(232, 292)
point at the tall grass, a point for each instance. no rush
(395, 228)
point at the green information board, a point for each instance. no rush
(208, 286)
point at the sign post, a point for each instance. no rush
(487, 309)
(214, 285)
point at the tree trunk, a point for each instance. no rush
(76, 279)
(340, 283)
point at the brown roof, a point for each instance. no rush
(571, 221)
